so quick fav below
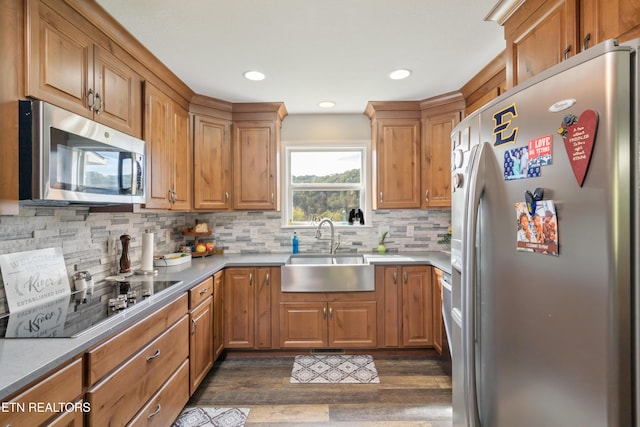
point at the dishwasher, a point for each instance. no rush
(446, 307)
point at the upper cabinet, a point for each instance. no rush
(169, 171)
(211, 154)
(542, 33)
(67, 68)
(395, 133)
(412, 151)
(256, 151)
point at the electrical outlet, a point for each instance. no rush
(112, 246)
(409, 230)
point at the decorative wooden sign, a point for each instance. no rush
(579, 134)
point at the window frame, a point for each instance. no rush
(364, 187)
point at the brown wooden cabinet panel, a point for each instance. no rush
(218, 314)
(248, 300)
(169, 172)
(303, 325)
(397, 168)
(436, 159)
(116, 399)
(200, 343)
(61, 385)
(67, 69)
(211, 163)
(438, 324)
(255, 151)
(352, 324)
(408, 305)
(165, 406)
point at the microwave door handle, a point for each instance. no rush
(136, 176)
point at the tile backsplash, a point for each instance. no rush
(84, 236)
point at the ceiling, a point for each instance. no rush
(316, 50)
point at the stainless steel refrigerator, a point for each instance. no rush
(544, 249)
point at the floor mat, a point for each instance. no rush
(212, 417)
(334, 369)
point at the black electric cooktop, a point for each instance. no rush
(75, 314)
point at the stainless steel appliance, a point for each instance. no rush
(67, 158)
(543, 330)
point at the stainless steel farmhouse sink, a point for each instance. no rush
(327, 273)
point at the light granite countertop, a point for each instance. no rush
(23, 360)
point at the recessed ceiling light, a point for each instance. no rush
(327, 104)
(400, 74)
(254, 75)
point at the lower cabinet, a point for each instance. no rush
(201, 332)
(248, 296)
(218, 314)
(62, 385)
(333, 324)
(127, 373)
(408, 305)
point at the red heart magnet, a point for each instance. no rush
(579, 135)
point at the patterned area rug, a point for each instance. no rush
(334, 369)
(212, 417)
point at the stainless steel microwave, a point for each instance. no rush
(67, 158)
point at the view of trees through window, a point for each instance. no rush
(325, 184)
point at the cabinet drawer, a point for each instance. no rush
(116, 399)
(65, 385)
(108, 355)
(200, 292)
(167, 404)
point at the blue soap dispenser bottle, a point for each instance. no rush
(295, 243)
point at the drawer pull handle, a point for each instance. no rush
(154, 355)
(204, 291)
(154, 413)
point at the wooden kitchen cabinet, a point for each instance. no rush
(61, 385)
(395, 133)
(247, 306)
(211, 163)
(328, 324)
(438, 323)
(67, 68)
(408, 305)
(439, 116)
(218, 314)
(201, 342)
(169, 161)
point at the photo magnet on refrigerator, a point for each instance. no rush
(517, 166)
(537, 232)
(579, 134)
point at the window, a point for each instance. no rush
(324, 181)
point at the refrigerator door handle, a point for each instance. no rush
(470, 328)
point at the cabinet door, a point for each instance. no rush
(182, 175)
(541, 38)
(239, 308)
(616, 19)
(254, 165)
(397, 164)
(60, 60)
(211, 163)
(438, 324)
(118, 92)
(436, 159)
(417, 303)
(303, 325)
(392, 321)
(263, 307)
(218, 314)
(352, 324)
(157, 135)
(200, 343)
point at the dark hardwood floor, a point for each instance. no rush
(414, 390)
